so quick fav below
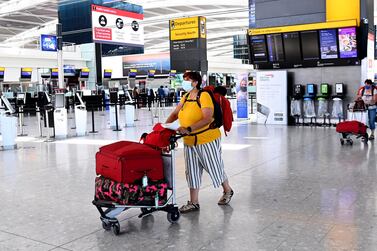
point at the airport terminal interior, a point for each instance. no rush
(91, 159)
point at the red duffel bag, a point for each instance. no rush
(159, 137)
(127, 162)
(353, 127)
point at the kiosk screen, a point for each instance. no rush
(275, 48)
(310, 47)
(292, 47)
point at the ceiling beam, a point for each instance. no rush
(12, 6)
(11, 20)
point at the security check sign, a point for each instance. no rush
(113, 26)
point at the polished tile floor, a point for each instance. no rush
(295, 189)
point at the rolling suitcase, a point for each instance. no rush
(354, 127)
(127, 162)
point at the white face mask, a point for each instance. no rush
(186, 85)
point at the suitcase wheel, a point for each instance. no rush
(174, 215)
(342, 141)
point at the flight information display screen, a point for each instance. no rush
(292, 47)
(275, 48)
(258, 48)
(310, 45)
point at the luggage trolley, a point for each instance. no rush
(110, 210)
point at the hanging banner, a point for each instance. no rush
(115, 26)
(272, 97)
(242, 96)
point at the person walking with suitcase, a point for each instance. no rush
(368, 93)
(202, 151)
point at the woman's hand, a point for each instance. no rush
(183, 130)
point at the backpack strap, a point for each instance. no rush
(197, 98)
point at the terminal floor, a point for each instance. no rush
(295, 189)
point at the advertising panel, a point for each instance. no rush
(328, 44)
(272, 97)
(347, 42)
(242, 96)
(146, 62)
(49, 43)
(115, 26)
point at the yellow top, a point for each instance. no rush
(192, 113)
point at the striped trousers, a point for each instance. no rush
(204, 157)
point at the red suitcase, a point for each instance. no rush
(352, 127)
(127, 162)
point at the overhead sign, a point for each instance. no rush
(303, 27)
(49, 43)
(115, 26)
(187, 28)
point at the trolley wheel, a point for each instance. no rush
(342, 141)
(116, 228)
(145, 210)
(351, 142)
(106, 226)
(366, 138)
(174, 216)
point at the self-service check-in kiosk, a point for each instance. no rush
(81, 117)
(60, 116)
(8, 125)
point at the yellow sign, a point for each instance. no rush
(188, 28)
(303, 27)
(338, 10)
(26, 69)
(133, 70)
(109, 71)
(203, 27)
(189, 33)
(54, 70)
(85, 70)
(2, 69)
(184, 23)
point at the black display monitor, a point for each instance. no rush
(275, 48)
(258, 48)
(310, 45)
(292, 48)
(328, 44)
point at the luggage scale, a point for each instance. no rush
(110, 210)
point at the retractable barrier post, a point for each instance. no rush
(93, 129)
(21, 121)
(116, 119)
(38, 112)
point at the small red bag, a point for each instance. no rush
(159, 137)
